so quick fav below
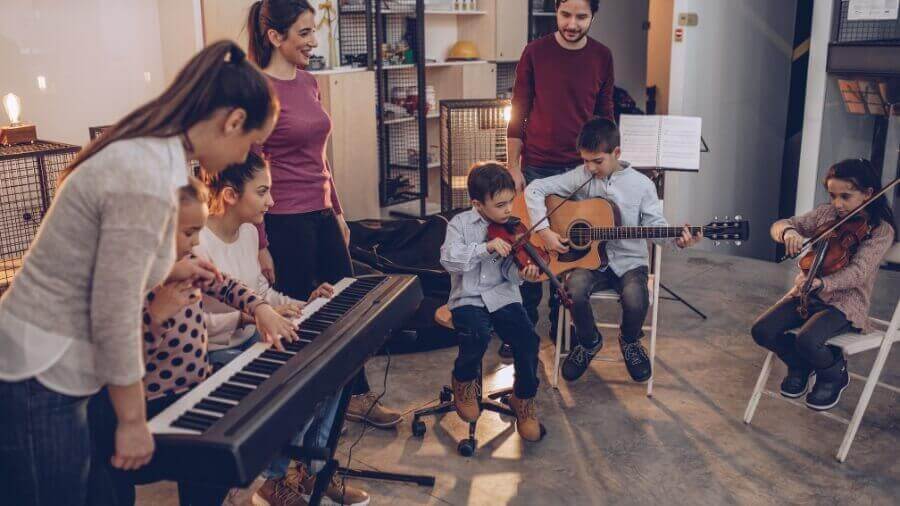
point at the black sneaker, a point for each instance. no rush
(636, 360)
(830, 384)
(796, 382)
(578, 361)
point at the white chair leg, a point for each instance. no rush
(657, 263)
(561, 327)
(758, 389)
(863, 403)
(652, 350)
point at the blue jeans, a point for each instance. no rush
(473, 324)
(313, 435)
(532, 293)
(45, 445)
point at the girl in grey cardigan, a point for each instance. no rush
(107, 239)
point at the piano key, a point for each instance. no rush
(214, 406)
(201, 416)
(238, 388)
(247, 379)
(224, 394)
(278, 356)
(197, 422)
(191, 426)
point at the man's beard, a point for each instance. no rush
(565, 35)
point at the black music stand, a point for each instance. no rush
(674, 296)
(323, 477)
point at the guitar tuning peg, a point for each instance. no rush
(737, 243)
(718, 243)
(738, 217)
(726, 218)
(716, 218)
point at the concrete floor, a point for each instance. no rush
(610, 444)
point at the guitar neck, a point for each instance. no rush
(613, 233)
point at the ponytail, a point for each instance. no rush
(265, 15)
(217, 77)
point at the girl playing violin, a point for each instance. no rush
(835, 303)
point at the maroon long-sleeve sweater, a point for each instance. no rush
(557, 91)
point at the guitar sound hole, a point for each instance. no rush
(580, 235)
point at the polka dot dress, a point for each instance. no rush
(175, 351)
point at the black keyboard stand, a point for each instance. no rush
(323, 477)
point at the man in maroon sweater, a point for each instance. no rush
(562, 81)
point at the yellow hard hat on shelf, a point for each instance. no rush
(463, 50)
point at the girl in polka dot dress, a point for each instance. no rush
(175, 330)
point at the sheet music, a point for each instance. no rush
(679, 142)
(872, 9)
(640, 139)
(671, 142)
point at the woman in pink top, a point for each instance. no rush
(305, 232)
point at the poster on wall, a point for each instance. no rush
(860, 10)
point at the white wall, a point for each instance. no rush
(100, 59)
(733, 70)
(618, 25)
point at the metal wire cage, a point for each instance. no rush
(28, 182)
(875, 31)
(471, 131)
(506, 78)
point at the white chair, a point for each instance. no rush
(851, 344)
(563, 332)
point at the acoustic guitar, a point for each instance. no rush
(589, 223)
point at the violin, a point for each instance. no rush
(524, 253)
(833, 245)
(832, 253)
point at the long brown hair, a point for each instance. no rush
(267, 15)
(216, 77)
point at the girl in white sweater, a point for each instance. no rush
(239, 200)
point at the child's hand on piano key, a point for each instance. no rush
(290, 311)
(324, 290)
(273, 327)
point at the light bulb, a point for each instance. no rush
(507, 113)
(13, 107)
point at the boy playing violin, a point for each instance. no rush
(484, 294)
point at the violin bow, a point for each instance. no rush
(818, 237)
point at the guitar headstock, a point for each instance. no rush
(736, 230)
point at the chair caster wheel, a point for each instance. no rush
(466, 447)
(446, 395)
(418, 428)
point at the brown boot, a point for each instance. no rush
(336, 493)
(366, 408)
(278, 493)
(465, 398)
(527, 423)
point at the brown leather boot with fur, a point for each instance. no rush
(527, 423)
(465, 398)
